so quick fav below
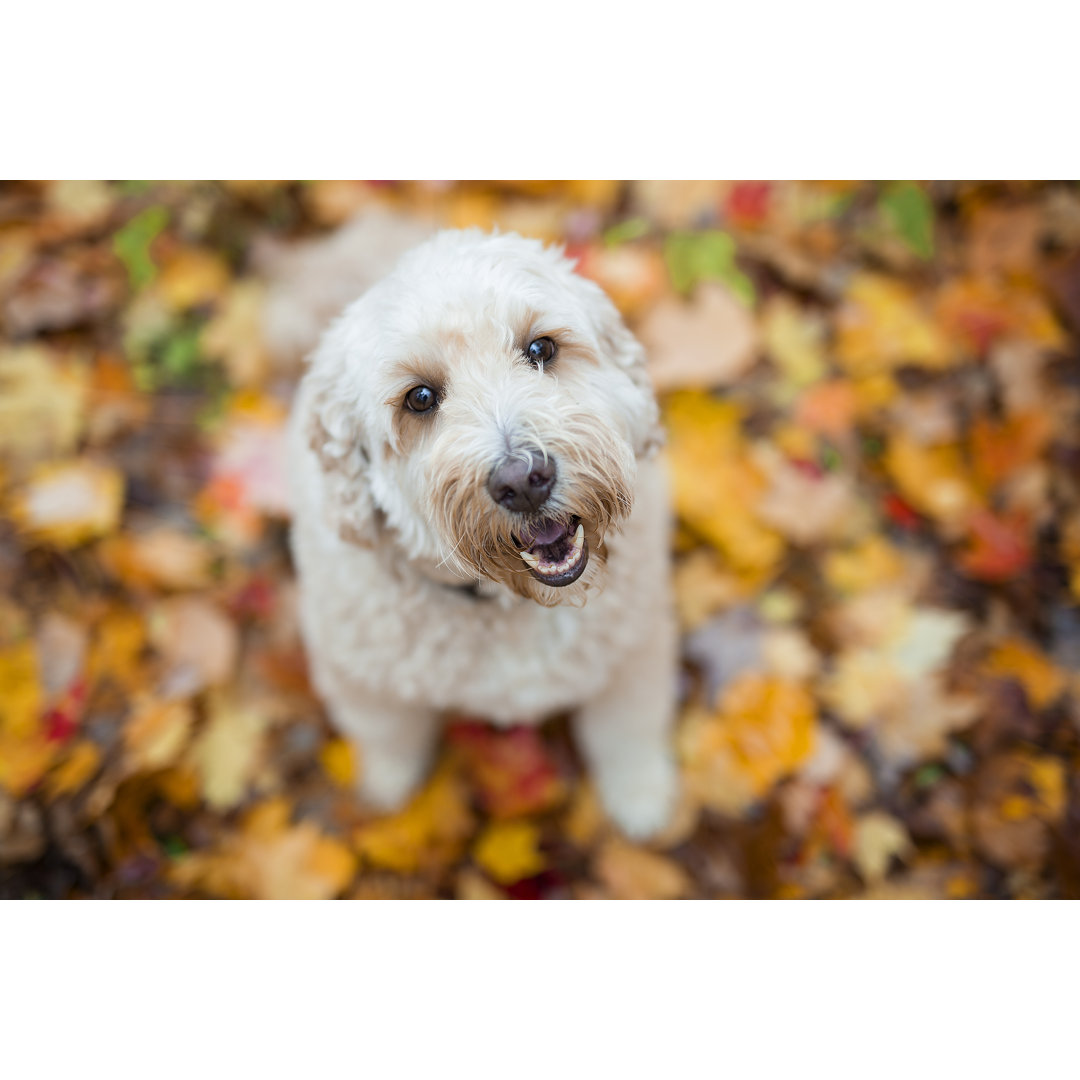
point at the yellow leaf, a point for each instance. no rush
(269, 859)
(882, 325)
(430, 832)
(235, 336)
(42, 403)
(228, 751)
(795, 339)
(1015, 659)
(117, 644)
(157, 733)
(69, 503)
(1047, 776)
(633, 873)
(192, 276)
(509, 851)
(339, 762)
(878, 837)
(21, 698)
(933, 479)
(81, 762)
(763, 729)
(24, 760)
(870, 563)
(715, 484)
(162, 556)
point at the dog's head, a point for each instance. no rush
(483, 408)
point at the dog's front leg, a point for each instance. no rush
(394, 744)
(626, 733)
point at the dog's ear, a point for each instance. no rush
(627, 352)
(334, 431)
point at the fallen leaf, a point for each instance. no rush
(883, 325)
(198, 643)
(510, 851)
(431, 831)
(157, 733)
(762, 729)
(511, 769)
(228, 750)
(879, 838)
(709, 341)
(269, 859)
(634, 873)
(1015, 659)
(69, 503)
(42, 403)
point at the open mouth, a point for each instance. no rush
(555, 552)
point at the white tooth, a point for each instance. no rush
(579, 537)
(531, 559)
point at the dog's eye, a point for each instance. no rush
(540, 351)
(421, 399)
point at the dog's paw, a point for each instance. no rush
(387, 783)
(640, 797)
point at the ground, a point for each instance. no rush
(872, 397)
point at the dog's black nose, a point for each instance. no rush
(520, 484)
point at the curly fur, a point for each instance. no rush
(393, 516)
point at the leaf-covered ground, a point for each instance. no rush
(872, 394)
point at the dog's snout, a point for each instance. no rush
(522, 485)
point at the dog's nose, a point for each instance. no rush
(517, 484)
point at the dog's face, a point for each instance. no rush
(483, 408)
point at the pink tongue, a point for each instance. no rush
(546, 533)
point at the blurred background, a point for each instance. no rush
(872, 398)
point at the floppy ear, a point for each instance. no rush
(334, 432)
(628, 354)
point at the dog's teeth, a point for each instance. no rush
(579, 537)
(531, 559)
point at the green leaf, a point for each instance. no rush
(705, 256)
(132, 244)
(630, 229)
(907, 208)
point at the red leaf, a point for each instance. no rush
(999, 547)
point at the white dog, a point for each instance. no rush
(481, 524)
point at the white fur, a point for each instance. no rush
(393, 642)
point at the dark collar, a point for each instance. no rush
(472, 590)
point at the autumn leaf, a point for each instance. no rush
(709, 341)
(1042, 681)
(69, 503)
(635, 873)
(511, 770)
(431, 831)
(509, 851)
(269, 859)
(762, 729)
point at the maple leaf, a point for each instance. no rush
(1013, 658)
(709, 341)
(228, 750)
(511, 770)
(269, 859)
(431, 831)
(68, 503)
(510, 851)
(882, 325)
(635, 873)
(42, 403)
(762, 729)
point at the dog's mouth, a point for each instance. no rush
(555, 552)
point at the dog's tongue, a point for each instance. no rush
(546, 532)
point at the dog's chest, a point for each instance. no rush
(509, 664)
